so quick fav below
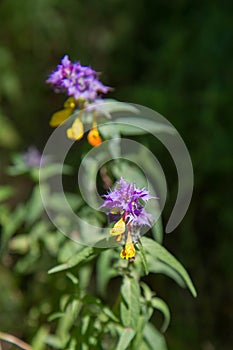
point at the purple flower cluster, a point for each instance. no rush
(76, 80)
(128, 202)
(32, 158)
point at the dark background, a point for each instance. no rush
(173, 56)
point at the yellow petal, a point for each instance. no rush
(128, 252)
(118, 228)
(76, 131)
(60, 116)
(69, 133)
(70, 103)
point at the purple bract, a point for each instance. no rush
(76, 80)
(128, 201)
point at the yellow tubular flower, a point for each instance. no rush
(76, 131)
(60, 116)
(118, 229)
(70, 103)
(128, 252)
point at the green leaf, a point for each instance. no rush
(34, 206)
(157, 231)
(128, 125)
(55, 316)
(67, 248)
(125, 338)
(148, 293)
(20, 244)
(9, 136)
(110, 106)
(105, 271)
(5, 192)
(108, 131)
(114, 146)
(144, 346)
(109, 313)
(157, 266)
(154, 338)
(160, 305)
(76, 260)
(156, 251)
(38, 342)
(51, 170)
(14, 221)
(131, 172)
(130, 305)
(142, 256)
(55, 201)
(54, 341)
(72, 277)
(73, 343)
(85, 324)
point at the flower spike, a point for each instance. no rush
(124, 205)
(76, 80)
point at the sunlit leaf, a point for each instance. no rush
(55, 316)
(54, 341)
(125, 338)
(20, 244)
(72, 277)
(38, 342)
(110, 314)
(130, 305)
(85, 324)
(80, 257)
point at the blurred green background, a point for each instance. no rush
(173, 56)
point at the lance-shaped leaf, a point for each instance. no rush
(160, 305)
(130, 305)
(80, 257)
(125, 338)
(155, 250)
(154, 338)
